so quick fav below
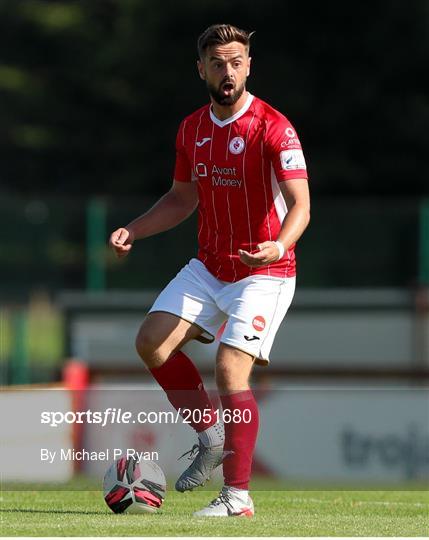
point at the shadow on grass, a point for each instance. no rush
(32, 511)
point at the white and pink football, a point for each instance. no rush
(134, 486)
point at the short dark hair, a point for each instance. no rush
(221, 34)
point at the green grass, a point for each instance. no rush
(278, 513)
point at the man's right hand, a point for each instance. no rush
(121, 241)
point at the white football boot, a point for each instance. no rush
(230, 502)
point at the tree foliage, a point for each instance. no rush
(93, 91)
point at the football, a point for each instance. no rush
(134, 486)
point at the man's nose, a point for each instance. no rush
(228, 70)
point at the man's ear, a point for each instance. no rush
(201, 69)
(248, 65)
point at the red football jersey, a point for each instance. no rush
(238, 164)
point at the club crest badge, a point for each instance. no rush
(236, 146)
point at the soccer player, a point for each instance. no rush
(239, 161)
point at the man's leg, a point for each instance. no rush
(255, 307)
(158, 343)
(233, 369)
(241, 419)
(161, 335)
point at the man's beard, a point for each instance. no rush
(217, 94)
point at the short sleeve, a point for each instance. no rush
(182, 168)
(283, 148)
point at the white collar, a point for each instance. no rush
(234, 117)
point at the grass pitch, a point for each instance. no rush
(278, 513)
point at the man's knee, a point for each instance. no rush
(145, 344)
(152, 345)
(162, 334)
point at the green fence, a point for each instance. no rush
(55, 243)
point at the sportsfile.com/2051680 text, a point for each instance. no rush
(112, 415)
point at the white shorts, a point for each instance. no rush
(253, 307)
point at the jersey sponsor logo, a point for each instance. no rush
(292, 159)
(294, 141)
(230, 171)
(290, 132)
(236, 146)
(226, 182)
(258, 323)
(221, 176)
(201, 170)
(203, 141)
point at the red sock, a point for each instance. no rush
(184, 387)
(240, 437)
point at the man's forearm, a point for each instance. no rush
(294, 224)
(165, 214)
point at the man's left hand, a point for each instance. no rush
(267, 254)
